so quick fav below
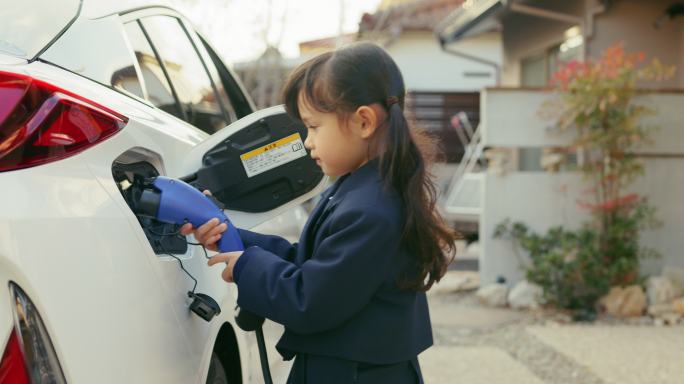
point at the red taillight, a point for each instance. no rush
(40, 123)
(12, 366)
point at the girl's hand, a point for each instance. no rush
(230, 258)
(206, 234)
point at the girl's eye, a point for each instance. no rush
(313, 127)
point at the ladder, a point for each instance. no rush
(463, 196)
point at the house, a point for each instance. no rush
(537, 35)
(405, 30)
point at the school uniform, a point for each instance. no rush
(335, 291)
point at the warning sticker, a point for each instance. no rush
(273, 155)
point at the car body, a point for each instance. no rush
(92, 101)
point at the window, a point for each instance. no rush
(537, 70)
(159, 92)
(216, 79)
(189, 78)
(241, 103)
(113, 67)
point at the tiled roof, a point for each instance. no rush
(414, 15)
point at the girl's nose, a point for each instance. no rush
(308, 143)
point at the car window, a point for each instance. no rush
(187, 73)
(224, 99)
(112, 67)
(28, 26)
(241, 103)
(159, 92)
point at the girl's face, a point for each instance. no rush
(338, 149)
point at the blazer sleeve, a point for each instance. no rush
(274, 244)
(340, 278)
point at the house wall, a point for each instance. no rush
(543, 200)
(526, 35)
(631, 21)
(426, 67)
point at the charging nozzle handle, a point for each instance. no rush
(179, 202)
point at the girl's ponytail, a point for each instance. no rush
(404, 166)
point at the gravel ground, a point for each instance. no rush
(509, 335)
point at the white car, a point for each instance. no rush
(92, 102)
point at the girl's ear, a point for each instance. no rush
(367, 119)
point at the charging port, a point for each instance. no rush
(129, 179)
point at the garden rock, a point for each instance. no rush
(493, 295)
(456, 281)
(659, 290)
(525, 295)
(624, 302)
(678, 305)
(676, 277)
(671, 318)
(658, 310)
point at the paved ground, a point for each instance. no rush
(475, 344)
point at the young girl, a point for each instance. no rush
(351, 293)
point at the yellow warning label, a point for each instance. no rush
(273, 155)
(269, 147)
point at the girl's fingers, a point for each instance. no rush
(220, 258)
(204, 229)
(186, 229)
(217, 230)
(227, 274)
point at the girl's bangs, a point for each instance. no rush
(309, 84)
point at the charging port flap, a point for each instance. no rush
(257, 164)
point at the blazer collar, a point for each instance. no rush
(335, 194)
(367, 172)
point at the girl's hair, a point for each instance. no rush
(364, 74)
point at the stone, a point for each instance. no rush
(678, 305)
(456, 281)
(624, 302)
(525, 295)
(659, 290)
(493, 295)
(671, 318)
(676, 277)
(658, 310)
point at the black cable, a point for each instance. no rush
(181, 266)
(261, 344)
(166, 252)
(206, 255)
(175, 233)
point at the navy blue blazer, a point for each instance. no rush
(335, 291)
